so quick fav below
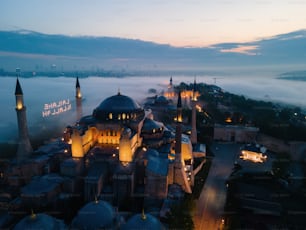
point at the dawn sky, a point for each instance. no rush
(175, 22)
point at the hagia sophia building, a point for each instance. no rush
(116, 160)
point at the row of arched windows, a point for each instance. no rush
(122, 116)
(109, 133)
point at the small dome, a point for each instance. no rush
(150, 125)
(143, 222)
(39, 221)
(151, 153)
(95, 215)
(161, 100)
(118, 107)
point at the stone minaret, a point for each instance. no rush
(170, 83)
(178, 130)
(193, 136)
(24, 149)
(180, 176)
(78, 97)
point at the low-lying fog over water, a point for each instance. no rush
(40, 93)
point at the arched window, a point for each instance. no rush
(110, 116)
(123, 116)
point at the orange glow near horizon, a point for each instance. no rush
(248, 50)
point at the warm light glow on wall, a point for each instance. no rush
(228, 120)
(253, 156)
(79, 95)
(198, 108)
(125, 152)
(190, 94)
(108, 136)
(186, 149)
(194, 99)
(169, 94)
(76, 146)
(19, 102)
(179, 119)
(19, 105)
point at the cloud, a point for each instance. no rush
(34, 55)
(242, 49)
(292, 37)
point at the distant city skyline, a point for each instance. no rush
(176, 22)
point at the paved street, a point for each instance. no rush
(210, 205)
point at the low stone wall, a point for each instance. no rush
(273, 144)
(296, 149)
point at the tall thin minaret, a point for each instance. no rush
(78, 97)
(178, 129)
(180, 176)
(193, 136)
(170, 84)
(24, 149)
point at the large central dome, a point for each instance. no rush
(118, 107)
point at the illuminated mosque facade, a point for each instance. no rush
(120, 146)
(118, 156)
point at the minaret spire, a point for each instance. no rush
(178, 131)
(193, 136)
(24, 149)
(78, 96)
(180, 176)
(194, 89)
(78, 93)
